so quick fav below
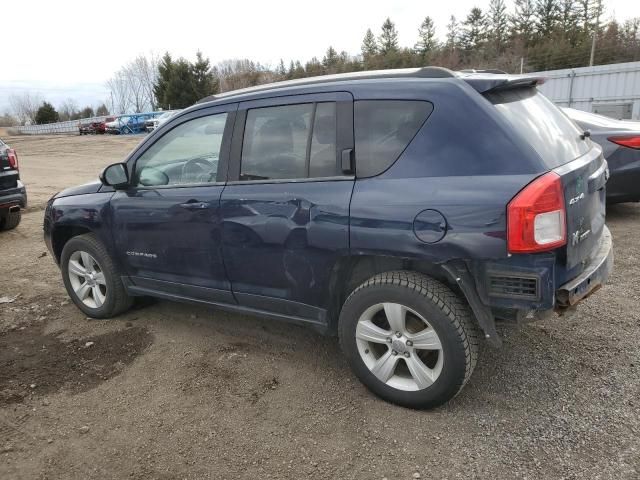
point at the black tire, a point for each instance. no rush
(447, 313)
(11, 220)
(117, 300)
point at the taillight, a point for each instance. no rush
(536, 216)
(12, 156)
(630, 141)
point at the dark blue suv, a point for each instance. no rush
(405, 211)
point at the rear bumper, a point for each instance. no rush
(14, 196)
(624, 186)
(593, 276)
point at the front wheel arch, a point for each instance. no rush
(62, 234)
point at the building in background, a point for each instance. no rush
(611, 90)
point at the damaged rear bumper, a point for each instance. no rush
(593, 276)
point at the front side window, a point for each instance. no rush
(185, 155)
(289, 142)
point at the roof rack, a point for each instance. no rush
(423, 72)
(486, 70)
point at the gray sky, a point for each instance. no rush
(70, 48)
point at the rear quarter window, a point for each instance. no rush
(383, 129)
(548, 130)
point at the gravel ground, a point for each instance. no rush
(175, 391)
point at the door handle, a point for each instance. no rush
(195, 205)
(346, 160)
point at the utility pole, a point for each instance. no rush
(596, 27)
(593, 49)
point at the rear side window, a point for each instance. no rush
(290, 142)
(383, 129)
(549, 131)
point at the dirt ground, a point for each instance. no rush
(174, 391)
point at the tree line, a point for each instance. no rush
(31, 108)
(524, 36)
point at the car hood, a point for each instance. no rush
(91, 187)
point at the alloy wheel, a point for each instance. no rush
(399, 346)
(87, 279)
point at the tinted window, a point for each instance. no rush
(548, 130)
(291, 141)
(187, 154)
(383, 129)
(275, 142)
(322, 161)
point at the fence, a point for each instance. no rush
(60, 127)
(612, 90)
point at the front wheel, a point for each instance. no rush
(92, 279)
(409, 339)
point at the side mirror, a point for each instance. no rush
(115, 175)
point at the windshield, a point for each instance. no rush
(549, 131)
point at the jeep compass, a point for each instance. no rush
(405, 211)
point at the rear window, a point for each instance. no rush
(549, 131)
(383, 129)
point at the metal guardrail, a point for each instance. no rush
(60, 127)
(72, 126)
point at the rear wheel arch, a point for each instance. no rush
(352, 271)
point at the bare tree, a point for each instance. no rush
(241, 73)
(131, 87)
(25, 106)
(119, 90)
(145, 71)
(68, 109)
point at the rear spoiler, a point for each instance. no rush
(499, 82)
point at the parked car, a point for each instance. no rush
(405, 211)
(153, 123)
(134, 123)
(620, 142)
(88, 128)
(92, 128)
(13, 194)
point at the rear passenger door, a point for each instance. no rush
(285, 209)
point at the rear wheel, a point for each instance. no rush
(409, 339)
(11, 220)
(92, 279)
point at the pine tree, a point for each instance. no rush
(281, 71)
(46, 114)
(203, 81)
(86, 112)
(547, 16)
(299, 71)
(165, 69)
(523, 20)
(388, 37)
(474, 30)
(102, 111)
(313, 67)
(498, 23)
(179, 91)
(427, 42)
(588, 13)
(330, 59)
(369, 45)
(453, 33)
